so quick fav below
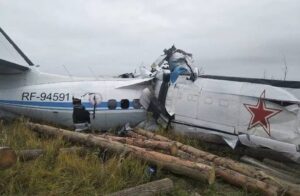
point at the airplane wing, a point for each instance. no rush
(12, 59)
(133, 82)
(7, 67)
(276, 90)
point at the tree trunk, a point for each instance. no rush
(238, 179)
(282, 166)
(8, 157)
(150, 135)
(149, 189)
(205, 137)
(228, 175)
(174, 164)
(290, 188)
(73, 150)
(239, 167)
(282, 175)
(153, 144)
(27, 155)
(135, 135)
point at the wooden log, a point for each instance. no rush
(238, 167)
(149, 189)
(271, 170)
(205, 137)
(191, 169)
(174, 164)
(282, 166)
(227, 175)
(135, 135)
(8, 157)
(150, 135)
(30, 154)
(73, 150)
(152, 144)
(290, 188)
(220, 161)
(251, 184)
(238, 179)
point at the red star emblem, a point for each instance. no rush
(260, 114)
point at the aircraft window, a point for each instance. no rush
(112, 104)
(124, 103)
(136, 104)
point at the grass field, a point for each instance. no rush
(56, 173)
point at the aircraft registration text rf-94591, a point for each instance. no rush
(43, 96)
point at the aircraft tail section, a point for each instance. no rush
(12, 59)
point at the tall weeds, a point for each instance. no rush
(67, 174)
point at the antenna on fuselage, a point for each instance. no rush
(16, 47)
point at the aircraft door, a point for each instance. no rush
(185, 101)
(85, 109)
(218, 111)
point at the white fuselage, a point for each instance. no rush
(254, 114)
(49, 98)
(220, 105)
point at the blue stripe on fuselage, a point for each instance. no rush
(58, 105)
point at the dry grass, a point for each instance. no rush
(75, 174)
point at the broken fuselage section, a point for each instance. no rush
(254, 112)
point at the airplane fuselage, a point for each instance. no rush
(111, 102)
(255, 112)
(257, 115)
(228, 106)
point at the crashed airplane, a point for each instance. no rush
(255, 112)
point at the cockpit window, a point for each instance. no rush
(124, 103)
(112, 104)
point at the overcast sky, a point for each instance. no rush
(96, 37)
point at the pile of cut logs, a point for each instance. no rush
(183, 159)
